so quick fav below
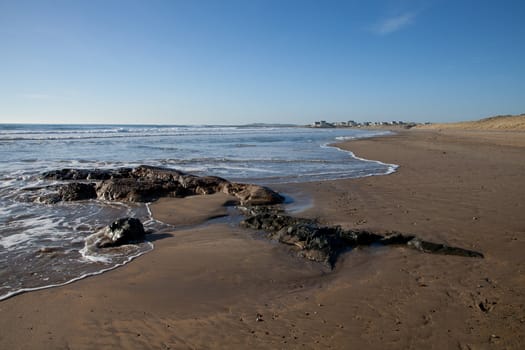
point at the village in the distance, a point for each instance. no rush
(354, 124)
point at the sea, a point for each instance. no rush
(45, 245)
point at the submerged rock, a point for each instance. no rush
(122, 231)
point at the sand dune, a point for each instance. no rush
(500, 122)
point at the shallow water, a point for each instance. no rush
(42, 244)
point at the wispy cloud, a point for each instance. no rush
(393, 24)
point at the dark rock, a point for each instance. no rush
(137, 190)
(48, 199)
(152, 173)
(361, 237)
(77, 191)
(396, 238)
(203, 185)
(325, 243)
(66, 174)
(86, 174)
(147, 183)
(437, 248)
(254, 194)
(119, 173)
(314, 242)
(122, 231)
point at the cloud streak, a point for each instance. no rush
(394, 24)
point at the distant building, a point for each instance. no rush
(354, 124)
(322, 124)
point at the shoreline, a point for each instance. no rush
(202, 287)
(298, 203)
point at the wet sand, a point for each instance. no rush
(192, 210)
(204, 285)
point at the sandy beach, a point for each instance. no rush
(213, 285)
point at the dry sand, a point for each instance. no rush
(203, 286)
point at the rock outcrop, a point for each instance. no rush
(138, 190)
(254, 195)
(76, 191)
(122, 231)
(146, 184)
(325, 243)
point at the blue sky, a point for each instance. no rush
(232, 62)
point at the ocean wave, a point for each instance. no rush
(85, 133)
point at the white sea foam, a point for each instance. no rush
(90, 251)
(15, 240)
(31, 228)
(391, 168)
(23, 290)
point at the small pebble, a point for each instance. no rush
(494, 337)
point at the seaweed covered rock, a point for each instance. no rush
(325, 243)
(313, 242)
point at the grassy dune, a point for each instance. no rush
(500, 122)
